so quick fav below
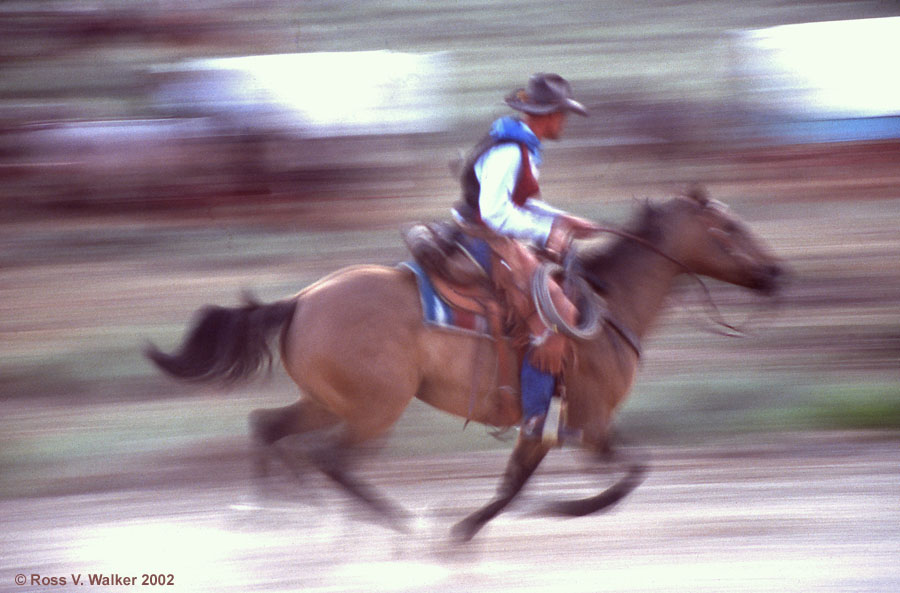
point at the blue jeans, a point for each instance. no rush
(537, 389)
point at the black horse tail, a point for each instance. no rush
(227, 344)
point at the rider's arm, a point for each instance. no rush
(541, 206)
(497, 171)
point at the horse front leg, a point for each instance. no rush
(605, 454)
(526, 456)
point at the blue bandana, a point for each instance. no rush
(510, 128)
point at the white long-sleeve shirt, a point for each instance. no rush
(497, 171)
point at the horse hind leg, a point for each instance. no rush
(336, 459)
(326, 442)
(268, 426)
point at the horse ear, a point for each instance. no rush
(698, 193)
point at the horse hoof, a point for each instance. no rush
(260, 459)
(464, 531)
(261, 431)
(400, 524)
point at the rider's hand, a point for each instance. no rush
(565, 229)
(560, 236)
(580, 228)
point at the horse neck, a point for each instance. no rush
(637, 281)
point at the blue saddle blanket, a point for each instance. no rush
(437, 312)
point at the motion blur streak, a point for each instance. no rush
(159, 156)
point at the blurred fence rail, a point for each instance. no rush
(84, 119)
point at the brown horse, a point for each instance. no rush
(355, 344)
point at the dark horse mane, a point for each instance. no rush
(597, 257)
(643, 232)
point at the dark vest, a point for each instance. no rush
(526, 185)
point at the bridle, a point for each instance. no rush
(575, 280)
(724, 328)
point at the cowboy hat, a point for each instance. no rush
(546, 93)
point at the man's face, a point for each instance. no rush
(556, 125)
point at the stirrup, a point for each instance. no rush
(551, 428)
(532, 428)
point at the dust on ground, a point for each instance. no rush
(789, 513)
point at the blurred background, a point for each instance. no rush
(158, 156)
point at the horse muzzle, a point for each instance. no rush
(769, 279)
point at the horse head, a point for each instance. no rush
(708, 239)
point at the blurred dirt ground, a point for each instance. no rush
(796, 512)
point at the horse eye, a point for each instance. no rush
(723, 239)
(720, 234)
(730, 227)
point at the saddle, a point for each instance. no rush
(506, 298)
